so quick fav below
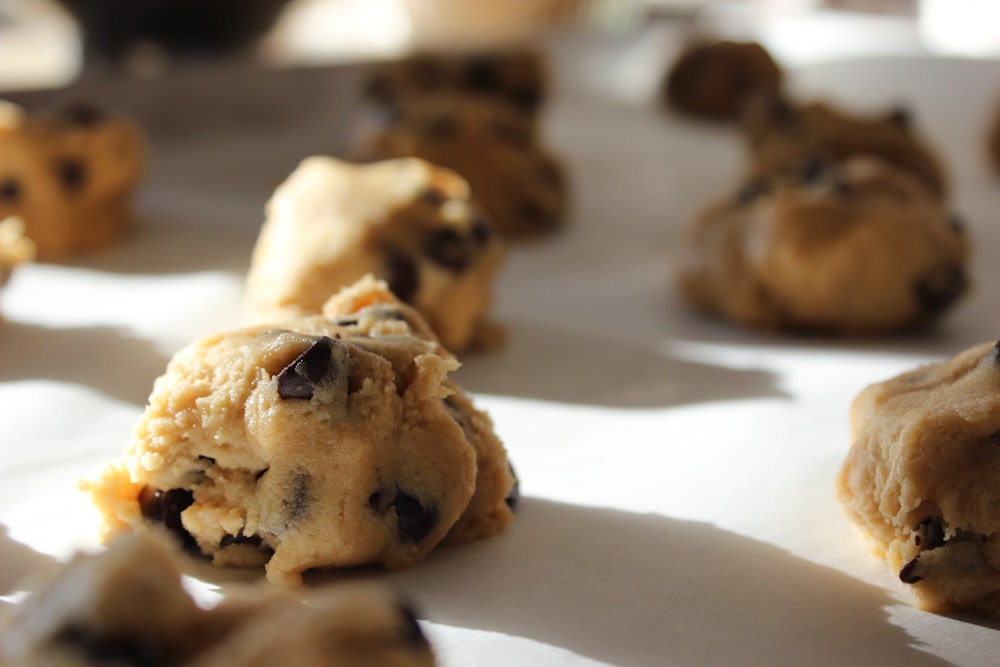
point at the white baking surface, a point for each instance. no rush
(676, 472)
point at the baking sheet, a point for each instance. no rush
(676, 471)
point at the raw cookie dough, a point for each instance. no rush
(70, 175)
(778, 133)
(715, 79)
(127, 606)
(516, 76)
(856, 247)
(497, 150)
(15, 248)
(405, 221)
(326, 441)
(922, 479)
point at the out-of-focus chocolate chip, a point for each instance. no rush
(72, 174)
(311, 368)
(901, 116)
(813, 168)
(299, 503)
(907, 574)
(441, 127)
(482, 230)
(165, 507)
(120, 650)
(482, 74)
(941, 287)
(401, 276)
(10, 191)
(995, 353)
(446, 247)
(514, 495)
(414, 521)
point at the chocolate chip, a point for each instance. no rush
(441, 127)
(940, 287)
(311, 368)
(514, 495)
(81, 114)
(446, 247)
(298, 504)
(995, 353)
(930, 533)
(165, 507)
(413, 520)
(907, 576)
(401, 276)
(433, 196)
(104, 649)
(72, 174)
(10, 191)
(482, 74)
(260, 474)
(412, 633)
(240, 538)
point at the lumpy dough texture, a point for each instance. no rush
(405, 221)
(326, 441)
(779, 133)
(922, 479)
(716, 80)
(857, 247)
(127, 606)
(496, 149)
(69, 175)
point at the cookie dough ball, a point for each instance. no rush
(515, 76)
(15, 248)
(69, 175)
(715, 80)
(498, 151)
(326, 441)
(405, 221)
(98, 611)
(778, 134)
(857, 247)
(921, 479)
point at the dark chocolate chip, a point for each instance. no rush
(412, 633)
(413, 521)
(930, 533)
(941, 287)
(995, 353)
(901, 116)
(402, 276)
(446, 247)
(260, 474)
(103, 649)
(82, 114)
(907, 576)
(240, 538)
(441, 127)
(72, 174)
(165, 507)
(10, 191)
(482, 74)
(752, 191)
(433, 196)
(311, 368)
(376, 502)
(299, 503)
(514, 495)
(206, 459)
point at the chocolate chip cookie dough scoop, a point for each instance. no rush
(922, 479)
(326, 441)
(405, 221)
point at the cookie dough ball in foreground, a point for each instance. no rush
(515, 76)
(856, 248)
(922, 479)
(405, 221)
(15, 248)
(321, 442)
(127, 606)
(779, 133)
(69, 175)
(498, 151)
(715, 80)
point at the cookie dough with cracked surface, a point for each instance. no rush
(406, 221)
(127, 606)
(69, 174)
(779, 133)
(922, 479)
(325, 441)
(716, 79)
(498, 151)
(856, 247)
